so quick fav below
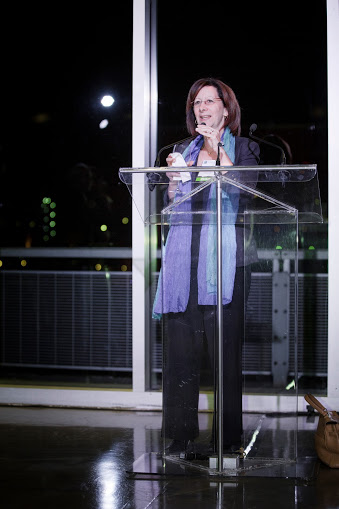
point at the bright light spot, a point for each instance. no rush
(0, 263)
(98, 266)
(52, 214)
(103, 227)
(107, 101)
(125, 220)
(123, 268)
(311, 248)
(103, 124)
(46, 200)
(53, 233)
(52, 224)
(278, 247)
(23, 263)
(53, 205)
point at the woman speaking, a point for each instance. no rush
(187, 289)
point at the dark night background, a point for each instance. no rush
(56, 68)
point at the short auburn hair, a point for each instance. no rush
(227, 96)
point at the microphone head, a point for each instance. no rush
(253, 128)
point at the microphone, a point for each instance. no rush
(253, 128)
(217, 162)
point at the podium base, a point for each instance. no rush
(230, 462)
(156, 465)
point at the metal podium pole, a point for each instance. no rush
(220, 327)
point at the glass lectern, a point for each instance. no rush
(213, 228)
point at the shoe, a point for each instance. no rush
(176, 447)
(228, 449)
(235, 449)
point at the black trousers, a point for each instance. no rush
(183, 351)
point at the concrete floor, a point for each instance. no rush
(67, 458)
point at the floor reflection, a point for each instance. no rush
(59, 458)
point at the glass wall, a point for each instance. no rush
(276, 64)
(65, 217)
(66, 124)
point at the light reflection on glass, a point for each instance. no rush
(253, 439)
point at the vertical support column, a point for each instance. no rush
(280, 327)
(333, 193)
(144, 128)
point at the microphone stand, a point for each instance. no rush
(283, 155)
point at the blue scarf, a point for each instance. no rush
(175, 275)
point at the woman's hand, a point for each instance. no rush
(170, 159)
(211, 136)
(173, 182)
(173, 177)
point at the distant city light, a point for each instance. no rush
(103, 124)
(107, 101)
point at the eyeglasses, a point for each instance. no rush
(208, 102)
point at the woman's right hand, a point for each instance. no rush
(172, 174)
(170, 159)
(172, 185)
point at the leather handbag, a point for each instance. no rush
(327, 434)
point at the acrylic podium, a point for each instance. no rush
(219, 223)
